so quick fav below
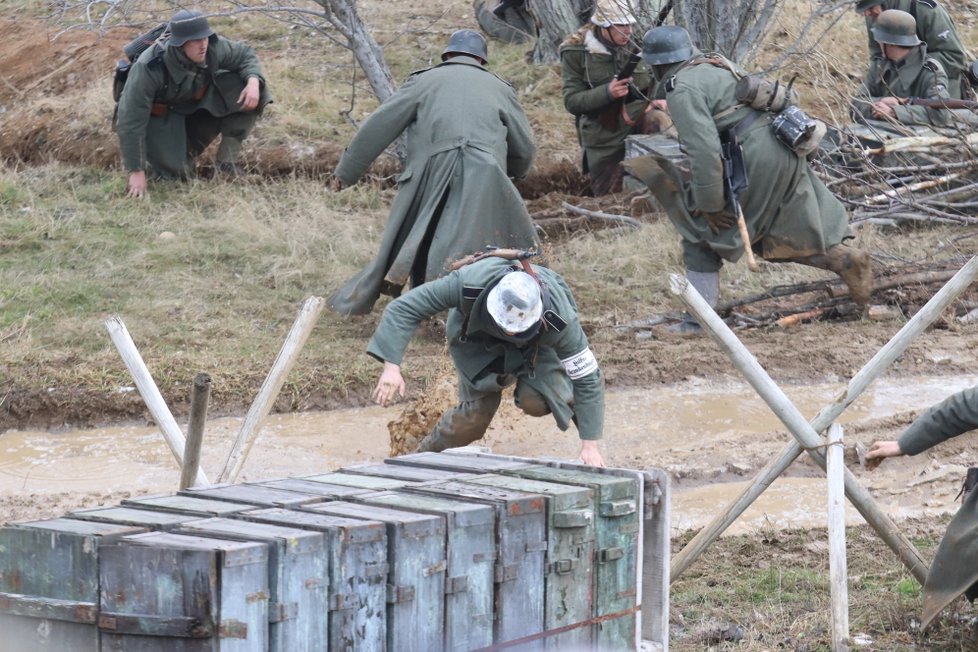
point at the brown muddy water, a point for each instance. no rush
(710, 437)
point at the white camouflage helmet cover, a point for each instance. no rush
(515, 303)
(612, 12)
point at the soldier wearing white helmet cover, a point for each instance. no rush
(508, 324)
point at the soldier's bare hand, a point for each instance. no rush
(137, 184)
(250, 95)
(390, 385)
(880, 451)
(618, 88)
(590, 454)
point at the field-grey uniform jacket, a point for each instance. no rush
(601, 129)
(466, 134)
(955, 567)
(558, 352)
(936, 29)
(789, 212)
(916, 75)
(164, 76)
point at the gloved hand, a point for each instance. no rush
(720, 220)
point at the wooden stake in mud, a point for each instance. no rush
(834, 466)
(807, 437)
(149, 391)
(890, 352)
(195, 430)
(262, 404)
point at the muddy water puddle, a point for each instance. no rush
(711, 438)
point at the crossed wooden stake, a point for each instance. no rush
(187, 452)
(806, 433)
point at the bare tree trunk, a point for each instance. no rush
(555, 20)
(731, 27)
(342, 15)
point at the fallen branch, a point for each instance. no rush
(619, 219)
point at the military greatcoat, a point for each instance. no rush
(587, 66)
(955, 567)
(789, 212)
(556, 360)
(916, 75)
(936, 29)
(466, 134)
(164, 76)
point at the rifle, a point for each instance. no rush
(942, 103)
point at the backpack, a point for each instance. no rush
(132, 50)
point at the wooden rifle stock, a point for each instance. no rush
(942, 103)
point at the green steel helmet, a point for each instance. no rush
(187, 25)
(895, 27)
(667, 44)
(515, 303)
(466, 41)
(863, 5)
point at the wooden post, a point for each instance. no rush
(890, 352)
(270, 388)
(837, 540)
(149, 391)
(195, 430)
(796, 424)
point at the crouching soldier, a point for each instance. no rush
(508, 324)
(182, 93)
(790, 215)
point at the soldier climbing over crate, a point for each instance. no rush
(509, 323)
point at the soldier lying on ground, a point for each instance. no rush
(903, 70)
(507, 324)
(790, 215)
(954, 570)
(933, 26)
(465, 134)
(180, 95)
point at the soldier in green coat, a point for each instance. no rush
(790, 215)
(181, 94)
(509, 323)
(902, 71)
(934, 27)
(954, 570)
(606, 109)
(465, 134)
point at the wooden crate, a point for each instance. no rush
(470, 555)
(49, 584)
(297, 579)
(165, 592)
(357, 566)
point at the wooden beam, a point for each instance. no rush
(195, 430)
(149, 391)
(839, 590)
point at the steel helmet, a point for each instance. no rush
(863, 5)
(515, 303)
(612, 12)
(187, 25)
(895, 27)
(466, 41)
(667, 44)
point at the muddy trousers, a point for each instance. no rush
(468, 421)
(164, 136)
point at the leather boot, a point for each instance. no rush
(853, 265)
(708, 285)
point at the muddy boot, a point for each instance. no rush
(708, 285)
(853, 265)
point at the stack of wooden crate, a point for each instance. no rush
(458, 550)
